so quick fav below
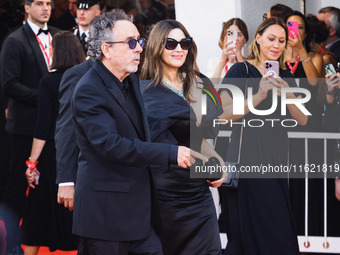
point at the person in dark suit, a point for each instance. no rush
(116, 154)
(86, 11)
(25, 58)
(67, 150)
(331, 16)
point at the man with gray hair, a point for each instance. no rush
(331, 16)
(113, 193)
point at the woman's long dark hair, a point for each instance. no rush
(152, 68)
(67, 51)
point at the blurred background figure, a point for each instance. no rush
(318, 34)
(331, 16)
(45, 222)
(63, 14)
(153, 11)
(278, 10)
(104, 7)
(231, 50)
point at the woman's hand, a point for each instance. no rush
(279, 83)
(332, 81)
(30, 177)
(265, 85)
(217, 183)
(295, 43)
(227, 50)
(238, 52)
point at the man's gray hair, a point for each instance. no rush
(334, 19)
(101, 31)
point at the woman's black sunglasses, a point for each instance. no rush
(132, 43)
(171, 44)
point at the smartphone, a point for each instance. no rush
(231, 37)
(329, 68)
(271, 67)
(293, 26)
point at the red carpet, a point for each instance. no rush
(46, 251)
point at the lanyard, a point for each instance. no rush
(322, 49)
(47, 56)
(226, 67)
(293, 69)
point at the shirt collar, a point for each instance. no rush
(330, 44)
(81, 31)
(116, 80)
(35, 27)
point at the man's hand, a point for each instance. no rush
(186, 157)
(66, 196)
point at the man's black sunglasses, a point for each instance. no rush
(171, 44)
(132, 43)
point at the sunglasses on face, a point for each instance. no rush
(132, 43)
(171, 44)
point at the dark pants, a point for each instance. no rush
(151, 245)
(15, 192)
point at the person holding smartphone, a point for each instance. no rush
(231, 49)
(257, 214)
(299, 53)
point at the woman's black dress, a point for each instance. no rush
(47, 223)
(258, 214)
(189, 222)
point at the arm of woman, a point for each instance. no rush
(332, 81)
(37, 148)
(311, 67)
(224, 57)
(227, 101)
(295, 112)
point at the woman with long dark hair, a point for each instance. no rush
(172, 102)
(258, 214)
(46, 223)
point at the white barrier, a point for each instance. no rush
(325, 243)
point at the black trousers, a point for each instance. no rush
(150, 245)
(15, 192)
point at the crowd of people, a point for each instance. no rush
(100, 137)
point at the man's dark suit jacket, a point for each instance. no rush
(65, 140)
(113, 194)
(22, 65)
(335, 49)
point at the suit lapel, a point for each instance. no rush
(117, 94)
(136, 90)
(32, 40)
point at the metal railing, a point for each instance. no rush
(321, 244)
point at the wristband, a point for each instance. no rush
(327, 91)
(307, 59)
(31, 165)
